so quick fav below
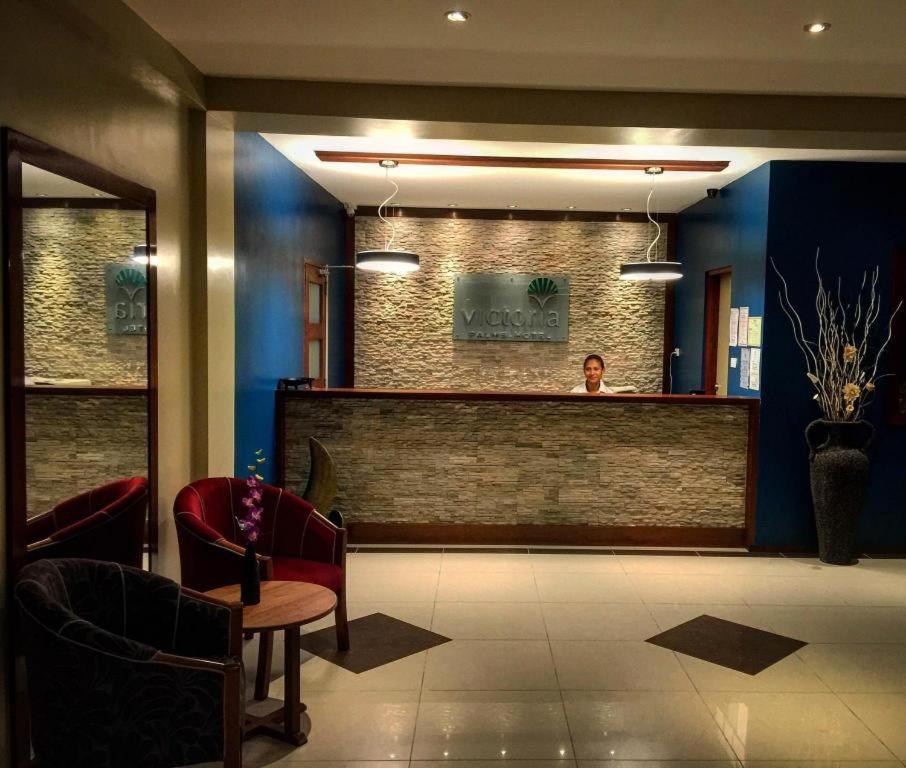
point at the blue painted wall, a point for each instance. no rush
(282, 218)
(727, 231)
(855, 213)
(784, 211)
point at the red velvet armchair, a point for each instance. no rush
(105, 523)
(296, 544)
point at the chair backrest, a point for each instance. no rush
(321, 488)
(217, 502)
(105, 523)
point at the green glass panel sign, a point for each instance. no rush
(127, 299)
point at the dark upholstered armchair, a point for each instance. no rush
(296, 544)
(106, 523)
(125, 668)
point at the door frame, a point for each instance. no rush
(312, 273)
(711, 330)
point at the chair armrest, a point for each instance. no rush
(40, 527)
(207, 626)
(304, 532)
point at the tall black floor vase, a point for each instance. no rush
(839, 474)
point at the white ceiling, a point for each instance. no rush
(36, 182)
(746, 46)
(542, 189)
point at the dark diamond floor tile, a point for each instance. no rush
(728, 644)
(374, 640)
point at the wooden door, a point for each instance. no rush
(314, 340)
(716, 342)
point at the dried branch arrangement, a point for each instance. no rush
(842, 361)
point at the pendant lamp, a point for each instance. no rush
(387, 259)
(648, 269)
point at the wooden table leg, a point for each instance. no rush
(263, 675)
(292, 707)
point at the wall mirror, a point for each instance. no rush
(80, 357)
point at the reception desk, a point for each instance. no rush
(529, 467)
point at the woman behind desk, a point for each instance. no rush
(594, 371)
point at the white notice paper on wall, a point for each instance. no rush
(754, 331)
(755, 369)
(734, 326)
(743, 335)
(744, 368)
(733, 362)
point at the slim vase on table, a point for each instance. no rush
(251, 577)
(839, 465)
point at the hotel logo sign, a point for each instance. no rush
(127, 299)
(511, 307)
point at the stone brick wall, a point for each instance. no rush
(584, 463)
(74, 443)
(65, 251)
(404, 325)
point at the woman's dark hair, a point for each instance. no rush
(594, 357)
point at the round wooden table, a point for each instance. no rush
(285, 605)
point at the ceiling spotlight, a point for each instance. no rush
(625, 210)
(42, 194)
(570, 207)
(816, 27)
(452, 205)
(457, 16)
(654, 170)
(512, 205)
(388, 163)
(97, 194)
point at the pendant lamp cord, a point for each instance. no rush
(648, 212)
(383, 206)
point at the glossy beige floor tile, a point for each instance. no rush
(859, 667)
(418, 614)
(350, 726)
(564, 763)
(504, 665)
(873, 589)
(885, 716)
(642, 725)
(489, 621)
(585, 588)
(401, 586)
(550, 563)
(483, 562)
(669, 615)
(787, 675)
(689, 588)
(833, 624)
(491, 725)
(659, 764)
(793, 726)
(618, 665)
(320, 675)
(821, 764)
(786, 590)
(598, 621)
(390, 561)
(502, 587)
(717, 566)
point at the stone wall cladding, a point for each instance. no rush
(74, 443)
(604, 463)
(65, 252)
(404, 325)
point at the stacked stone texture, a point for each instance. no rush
(587, 463)
(404, 325)
(65, 252)
(74, 443)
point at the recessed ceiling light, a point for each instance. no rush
(512, 205)
(97, 194)
(452, 205)
(817, 26)
(388, 163)
(42, 194)
(570, 207)
(627, 209)
(654, 170)
(457, 16)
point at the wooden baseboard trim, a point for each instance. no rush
(576, 535)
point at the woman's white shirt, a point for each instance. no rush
(581, 389)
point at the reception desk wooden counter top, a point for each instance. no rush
(529, 467)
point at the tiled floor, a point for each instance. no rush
(548, 666)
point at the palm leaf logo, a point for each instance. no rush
(541, 289)
(131, 281)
